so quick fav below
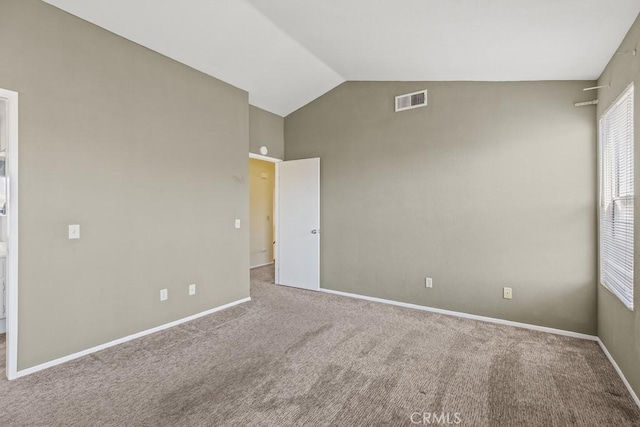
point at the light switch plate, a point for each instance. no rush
(164, 295)
(237, 223)
(192, 289)
(428, 282)
(74, 231)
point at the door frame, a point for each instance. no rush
(11, 270)
(276, 217)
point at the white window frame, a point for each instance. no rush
(626, 299)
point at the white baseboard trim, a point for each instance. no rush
(3, 326)
(260, 265)
(466, 315)
(619, 371)
(73, 356)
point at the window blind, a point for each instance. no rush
(616, 198)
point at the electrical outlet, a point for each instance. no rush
(192, 289)
(507, 293)
(164, 294)
(428, 282)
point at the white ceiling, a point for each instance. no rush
(286, 53)
(228, 39)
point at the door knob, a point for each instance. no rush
(314, 231)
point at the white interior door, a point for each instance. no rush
(298, 228)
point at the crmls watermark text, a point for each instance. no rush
(432, 418)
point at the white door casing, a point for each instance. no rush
(10, 100)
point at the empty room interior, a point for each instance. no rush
(319, 213)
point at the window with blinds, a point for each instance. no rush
(616, 198)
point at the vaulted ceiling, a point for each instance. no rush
(286, 53)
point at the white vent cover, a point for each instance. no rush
(411, 100)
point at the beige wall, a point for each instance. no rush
(491, 185)
(261, 197)
(139, 150)
(266, 129)
(619, 328)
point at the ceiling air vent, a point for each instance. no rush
(411, 100)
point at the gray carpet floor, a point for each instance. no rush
(294, 357)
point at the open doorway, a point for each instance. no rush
(8, 232)
(285, 219)
(261, 212)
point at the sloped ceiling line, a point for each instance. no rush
(286, 53)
